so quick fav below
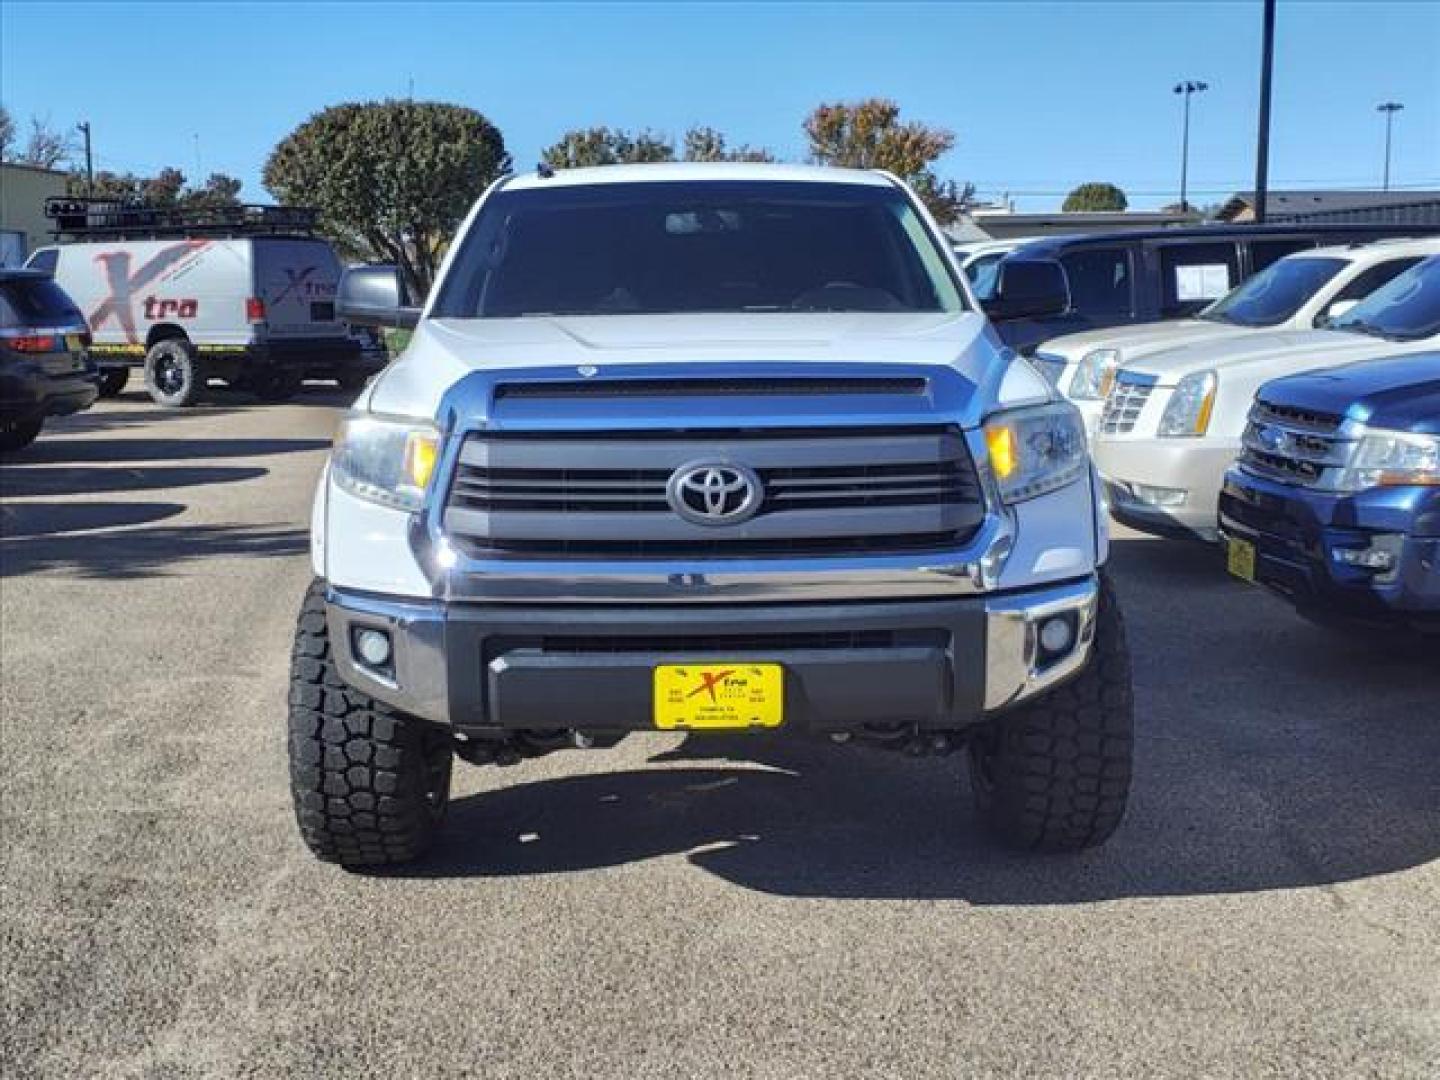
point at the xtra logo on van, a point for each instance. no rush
(299, 285)
(120, 304)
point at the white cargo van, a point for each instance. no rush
(242, 294)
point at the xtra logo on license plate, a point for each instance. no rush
(718, 696)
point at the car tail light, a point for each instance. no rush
(254, 309)
(34, 343)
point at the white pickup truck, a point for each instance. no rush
(1303, 291)
(695, 449)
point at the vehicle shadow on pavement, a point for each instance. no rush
(117, 552)
(62, 451)
(60, 481)
(1295, 758)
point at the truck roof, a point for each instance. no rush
(683, 171)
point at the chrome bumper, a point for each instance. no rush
(940, 664)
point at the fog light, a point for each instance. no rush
(1162, 497)
(1056, 635)
(1368, 558)
(373, 646)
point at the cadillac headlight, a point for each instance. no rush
(385, 460)
(1095, 375)
(1391, 458)
(1035, 451)
(1188, 411)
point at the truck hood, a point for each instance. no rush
(1401, 393)
(1141, 339)
(444, 351)
(1256, 348)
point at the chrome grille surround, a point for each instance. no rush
(1296, 446)
(1125, 402)
(825, 491)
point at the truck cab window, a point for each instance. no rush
(1192, 275)
(1100, 281)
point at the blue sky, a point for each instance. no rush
(1040, 96)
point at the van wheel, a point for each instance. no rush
(1054, 774)
(113, 380)
(172, 374)
(18, 434)
(369, 784)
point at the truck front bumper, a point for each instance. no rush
(1313, 548)
(938, 665)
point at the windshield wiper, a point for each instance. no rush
(1360, 326)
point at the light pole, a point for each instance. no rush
(1389, 108)
(89, 161)
(1262, 135)
(1186, 88)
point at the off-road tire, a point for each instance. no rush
(113, 380)
(1054, 774)
(173, 375)
(369, 784)
(18, 434)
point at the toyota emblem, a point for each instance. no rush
(714, 493)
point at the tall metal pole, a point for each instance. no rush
(1185, 154)
(1262, 145)
(89, 161)
(1389, 108)
(1186, 88)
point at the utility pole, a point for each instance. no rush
(1262, 142)
(89, 160)
(1186, 88)
(1389, 108)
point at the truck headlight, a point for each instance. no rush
(1188, 411)
(1036, 450)
(1390, 459)
(1095, 375)
(385, 460)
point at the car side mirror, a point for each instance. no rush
(375, 296)
(1028, 289)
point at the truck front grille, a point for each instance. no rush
(1293, 446)
(1124, 404)
(824, 492)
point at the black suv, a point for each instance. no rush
(44, 369)
(1068, 284)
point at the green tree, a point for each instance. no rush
(585, 147)
(869, 134)
(1095, 195)
(167, 188)
(707, 144)
(392, 179)
(7, 133)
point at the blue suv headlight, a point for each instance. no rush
(1037, 450)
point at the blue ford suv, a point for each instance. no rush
(1335, 500)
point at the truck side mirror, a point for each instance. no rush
(1028, 289)
(375, 296)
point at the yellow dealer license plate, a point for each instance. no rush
(1240, 559)
(718, 696)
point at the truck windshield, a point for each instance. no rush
(1274, 294)
(1406, 309)
(706, 246)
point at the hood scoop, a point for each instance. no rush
(592, 389)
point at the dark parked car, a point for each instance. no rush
(1335, 501)
(1066, 284)
(44, 370)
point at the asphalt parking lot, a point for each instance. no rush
(673, 908)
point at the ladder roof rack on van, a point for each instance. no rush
(101, 218)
